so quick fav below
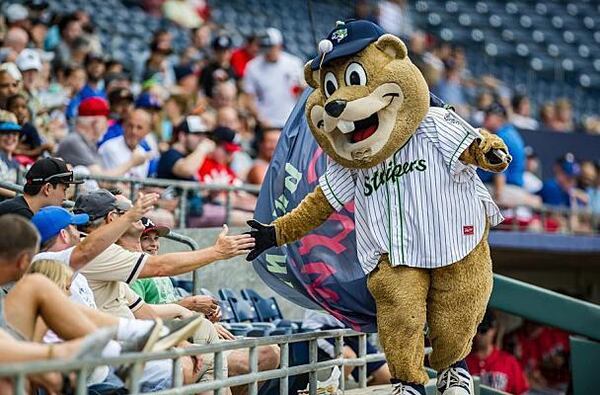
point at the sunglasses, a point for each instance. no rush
(67, 175)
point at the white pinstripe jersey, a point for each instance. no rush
(422, 206)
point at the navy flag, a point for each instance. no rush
(321, 270)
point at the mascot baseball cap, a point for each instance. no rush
(345, 39)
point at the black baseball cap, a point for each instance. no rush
(348, 38)
(221, 42)
(51, 170)
(120, 95)
(98, 204)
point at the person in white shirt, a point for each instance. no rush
(274, 81)
(119, 150)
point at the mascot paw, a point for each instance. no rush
(485, 158)
(264, 238)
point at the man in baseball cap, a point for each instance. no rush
(99, 204)
(49, 221)
(46, 184)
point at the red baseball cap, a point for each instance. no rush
(93, 106)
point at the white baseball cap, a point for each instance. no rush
(271, 37)
(29, 59)
(16, 12)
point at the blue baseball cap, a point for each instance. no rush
(148, 102)
(348, 38)
(50, 220)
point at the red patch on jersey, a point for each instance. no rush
(468, 230)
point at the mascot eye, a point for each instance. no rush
(355, 75)
(330, 84)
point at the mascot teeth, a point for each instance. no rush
(345, 126)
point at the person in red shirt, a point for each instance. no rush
(241, 56)
(496, 368)
(543, 352)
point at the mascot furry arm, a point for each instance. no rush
(315, 208)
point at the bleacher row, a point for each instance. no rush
(250, 315)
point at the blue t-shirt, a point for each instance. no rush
(516, 147)
(552, 194)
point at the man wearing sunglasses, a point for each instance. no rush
(46, 184)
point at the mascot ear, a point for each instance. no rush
(392, 46)
(311, 76)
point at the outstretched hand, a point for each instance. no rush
(264, 237)
(229, 246)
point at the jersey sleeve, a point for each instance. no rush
(338, 184)
(134, 301)
(451, 139)
(115, 264)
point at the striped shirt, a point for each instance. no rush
(422, 206)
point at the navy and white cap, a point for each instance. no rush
(347, 38)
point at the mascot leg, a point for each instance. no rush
(458, 297)
(401, 297)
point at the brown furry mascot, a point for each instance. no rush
(422, 213)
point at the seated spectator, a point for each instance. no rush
(121, 105)
(120, 150)
(175, 109)
(429, 65)
(224, 95)
(450, 88)
(394, 17)
(219, 68)
(521, 113)
(590, 183)
(378, 373)
(548, 117)
(157, 67)
(507, 187)
(70, 29)
(496, 368)
(46, 184)
(10, 133)
(564, 116)
(543, 353)
(216, 169)
(29, 63)
(241, 56)
(187, 79)
(562, 189)
(266, 148)
(94, 87)
(80, 147)
(30, 144)
(189, 149)
(532, 181)
(9, 86)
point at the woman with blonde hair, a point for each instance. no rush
(56, 271)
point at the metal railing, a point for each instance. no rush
(183, 188)
(19, 371)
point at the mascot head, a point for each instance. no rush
(369, 97)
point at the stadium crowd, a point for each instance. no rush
(206, 115)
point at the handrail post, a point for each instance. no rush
(253, 359)
(177, 373)
(19, 385)
(183, 207)
(312, 360)
(284, 355)
(228, 206)
(218, 369)
(362, 368)
(81, 381)
(339, 353)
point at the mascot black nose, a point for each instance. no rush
(335, 108)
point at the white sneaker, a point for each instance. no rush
(402, 389)
(455, 381)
